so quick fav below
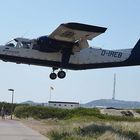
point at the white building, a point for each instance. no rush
(64, 105)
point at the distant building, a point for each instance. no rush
(64, 105)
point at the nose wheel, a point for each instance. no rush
(61, 74)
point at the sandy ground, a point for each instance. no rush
(120, 112)
(39, 126)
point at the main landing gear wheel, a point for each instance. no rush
(53, 76)
(61, 74)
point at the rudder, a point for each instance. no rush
(136, 49)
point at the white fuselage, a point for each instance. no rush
(87, 56)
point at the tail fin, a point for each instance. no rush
(135, 53)
(136, 48)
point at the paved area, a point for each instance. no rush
(14, 130)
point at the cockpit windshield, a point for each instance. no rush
(20, 43)
(11, 43)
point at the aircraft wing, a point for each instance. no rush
(73, 32)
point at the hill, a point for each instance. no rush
(32, 103)
(105, 103)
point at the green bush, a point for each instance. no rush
(91, 132)
(138, 111)
(39, 112)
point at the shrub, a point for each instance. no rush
(39, 112)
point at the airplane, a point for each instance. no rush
(67, 47)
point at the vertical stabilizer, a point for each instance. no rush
(135, 54)
(136, 49)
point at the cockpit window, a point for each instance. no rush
(19, 43)
(26, 45)
(11, 43)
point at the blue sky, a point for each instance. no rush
(30, 18)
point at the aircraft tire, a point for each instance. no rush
(61, 74)
(53, 76)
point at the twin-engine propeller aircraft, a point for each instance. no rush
(67, 48)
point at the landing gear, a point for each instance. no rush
(53, 76)
(61, 74)
(66, 53)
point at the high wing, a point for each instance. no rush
(68, 38)
(72, 32)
